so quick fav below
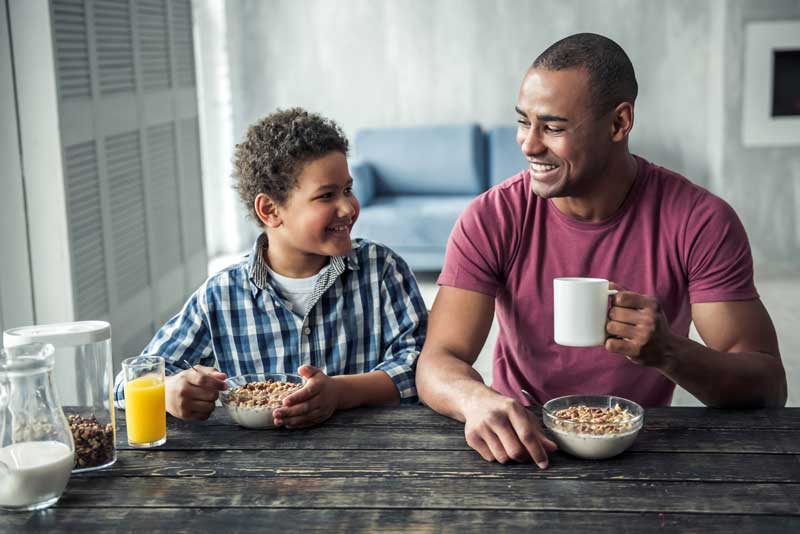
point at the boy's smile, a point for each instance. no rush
(315, 221)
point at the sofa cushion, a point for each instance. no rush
(505, 157)
(363, 181)
(444, 160)
(410, 221)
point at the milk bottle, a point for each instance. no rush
(36, 446)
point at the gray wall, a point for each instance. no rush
(415, 62)
(763, 184)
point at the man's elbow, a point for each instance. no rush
(422, 376)
(781, 392)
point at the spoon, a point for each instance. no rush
(531, 400)
(186, 365)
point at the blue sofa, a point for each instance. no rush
(413, 183)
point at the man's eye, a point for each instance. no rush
(524, 124)
(552, 129)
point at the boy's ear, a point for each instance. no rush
(267, 211)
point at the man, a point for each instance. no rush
(587, 207)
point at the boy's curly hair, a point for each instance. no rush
(274, 150)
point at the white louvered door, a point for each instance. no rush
(125, 239)
(16, 306)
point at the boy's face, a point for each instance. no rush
(319, 213)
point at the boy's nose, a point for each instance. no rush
(346, 208)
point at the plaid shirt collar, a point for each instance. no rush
(259, 273)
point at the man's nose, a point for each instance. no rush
(532, 143)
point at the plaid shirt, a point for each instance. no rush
(366, 314)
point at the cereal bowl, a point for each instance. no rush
(250, 399)
(593, 427)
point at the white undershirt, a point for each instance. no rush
(298, 291)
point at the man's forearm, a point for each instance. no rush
(726, 379)
(446, 384)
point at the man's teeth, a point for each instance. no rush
(541, 167)
(337, 228)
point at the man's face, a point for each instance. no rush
(321, 210)
(563, 139)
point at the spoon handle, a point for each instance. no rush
(533, 402)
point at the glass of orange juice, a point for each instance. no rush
(145, 401)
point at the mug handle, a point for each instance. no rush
(612, 292)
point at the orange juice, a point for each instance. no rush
(145, 409)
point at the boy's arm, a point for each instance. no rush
(184, 337)
(373, 388)
(404, 320)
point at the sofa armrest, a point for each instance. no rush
(363, 181)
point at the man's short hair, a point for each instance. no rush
(274, 150)
(611, 75)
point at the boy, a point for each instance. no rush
(345, 314)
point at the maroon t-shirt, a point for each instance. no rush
(670, 239)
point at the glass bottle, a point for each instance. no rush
(84, 378)
(36, 447)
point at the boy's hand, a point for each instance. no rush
(191, 394)
(313, 404)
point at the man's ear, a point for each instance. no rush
(622, 122)
(267, 211)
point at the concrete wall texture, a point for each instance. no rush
(369, 63)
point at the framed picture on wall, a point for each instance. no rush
(772, 84)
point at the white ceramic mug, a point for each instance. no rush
(580, 308)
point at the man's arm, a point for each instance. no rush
(740, 366)
(457, 329)
(497, 427)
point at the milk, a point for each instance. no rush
(593, 446)
(255, 417)
(38, 473)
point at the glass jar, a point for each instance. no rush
(36, 448)
(83, 374)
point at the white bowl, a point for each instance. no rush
(257, 417)
(573, 438)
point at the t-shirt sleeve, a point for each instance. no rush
(718, 258)
(477, 250)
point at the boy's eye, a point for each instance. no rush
(326, 196)
(348, 190)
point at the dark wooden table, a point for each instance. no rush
(409, 469)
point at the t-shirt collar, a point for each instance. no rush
(259, 272)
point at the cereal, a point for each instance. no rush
(267, 394)
(94, 442)
(597, 421)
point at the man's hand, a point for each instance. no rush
(191, 394)
(313, 404)
(641, 331)
(501, 429)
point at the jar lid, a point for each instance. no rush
(59, 334)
